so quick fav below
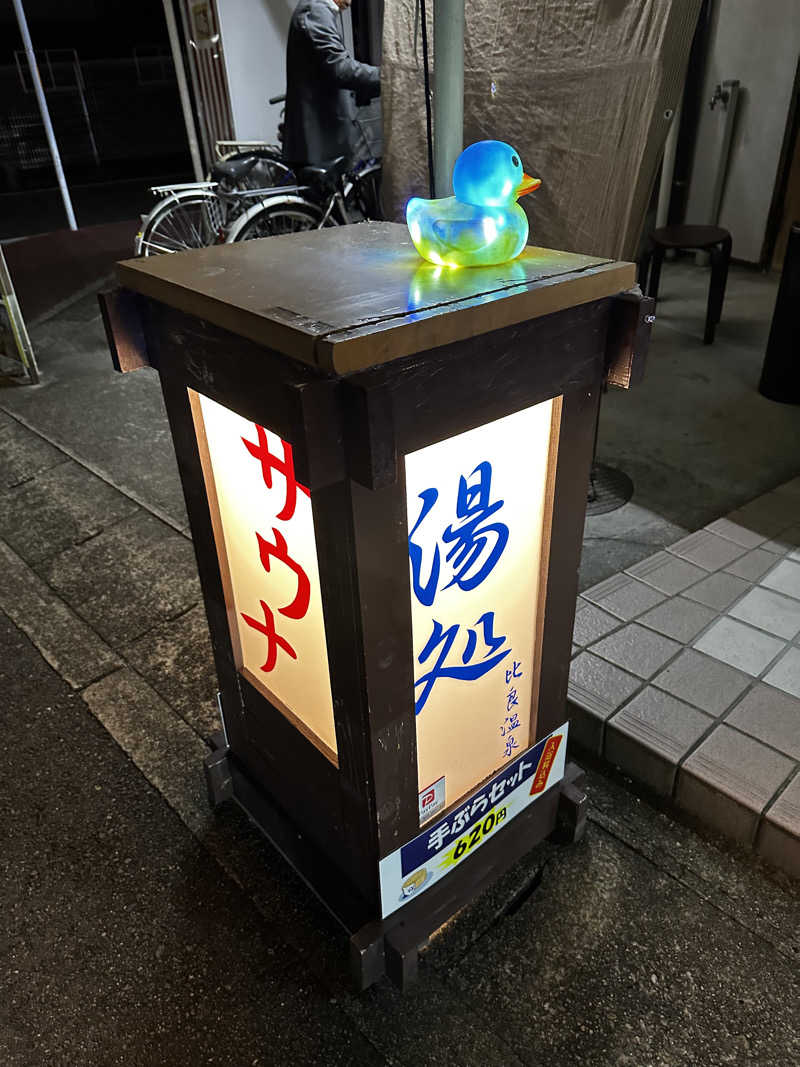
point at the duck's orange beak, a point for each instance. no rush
(527, 185)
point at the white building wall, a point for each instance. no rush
(756, 41)
(254, 36)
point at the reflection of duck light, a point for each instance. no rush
(459, 231)
(432, 286)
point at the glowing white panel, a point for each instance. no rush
(264, 530)
(477, 510)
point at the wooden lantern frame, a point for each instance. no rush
(335, 820)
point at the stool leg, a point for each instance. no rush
(720, 258)
(655, 272)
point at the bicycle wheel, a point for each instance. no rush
(364, 201)
(276, 219)
(190, 219)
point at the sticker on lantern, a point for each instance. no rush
(476, 509)
(264, 531)
(446, 843)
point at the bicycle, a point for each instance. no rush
(199, 214)
(330, 195)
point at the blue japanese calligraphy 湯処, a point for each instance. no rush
(472, 547)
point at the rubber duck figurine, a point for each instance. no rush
(482, 224)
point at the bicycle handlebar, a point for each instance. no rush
(277, 99)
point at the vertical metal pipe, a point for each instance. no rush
(426, 78)
(48, 125)
(82, 94)
(183, 90)
(668, 168)
(448, 90)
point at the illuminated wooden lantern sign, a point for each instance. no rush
(385, 471)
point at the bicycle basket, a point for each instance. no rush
(213, 216)
(369, 124)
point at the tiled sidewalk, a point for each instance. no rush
(686, 674)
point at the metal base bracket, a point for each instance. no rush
(573, 807)
(217, 771)
(391, 947)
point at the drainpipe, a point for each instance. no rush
(448, 91)
(43, 111)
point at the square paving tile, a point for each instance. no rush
(650, 736)
(786, 673)
(752, 565)
(678, 618)
(667, 573)
(786, 543)
(770, 716)
(596, 689)
(704, 682)
(769, 610)
(718, 590)
(176, 659)
(740, 535)
(707, 550)
(739, 645)
(623, 596)
(785, 578)
(592, 623)
(760, 519)
(24, 454)
(728, 781)
(779, 837)
(637, 649)
(61, 506)
(137, 573)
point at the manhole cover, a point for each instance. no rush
(609, 489)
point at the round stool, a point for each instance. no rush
(705, 238)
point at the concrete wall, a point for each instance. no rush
(756, 41)
(254, 44)
(254, 36)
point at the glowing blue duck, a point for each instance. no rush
(482, 224)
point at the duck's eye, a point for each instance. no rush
(514, 161)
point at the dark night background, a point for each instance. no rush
(96, 28)
(133, 113)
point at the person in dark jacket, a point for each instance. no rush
(323, 83)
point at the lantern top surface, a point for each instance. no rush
(351, 297)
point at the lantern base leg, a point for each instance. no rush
(392, 947)
(219, 783)
(573, 807)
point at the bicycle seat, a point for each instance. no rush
(326, 175)
(233, 169)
